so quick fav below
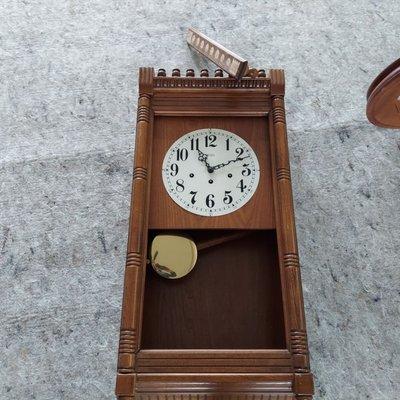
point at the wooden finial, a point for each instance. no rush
(190, 72)
(218, 73)
(161, 72)
(204, 73)
(176, 72)
(261, 73)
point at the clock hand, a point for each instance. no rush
(203, 158)
(218, 166)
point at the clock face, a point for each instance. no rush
(210, 172)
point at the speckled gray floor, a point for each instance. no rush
(68, 72)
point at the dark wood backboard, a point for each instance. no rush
(235, 326)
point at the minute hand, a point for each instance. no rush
(218, 166)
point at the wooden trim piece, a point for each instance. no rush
(214, 386)
(278, 230)
(216, 354)
(214, 113)
(125, 385)
(235, 65)
(137, 241)
(303, 386)
(232, 361)
(215, 395)
(294, 306)
(204, 102)
(210, 83)
(214, 383)
(277, 82)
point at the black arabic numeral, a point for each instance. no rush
(247, 170)
(193, 197)
(182, 154)
(228, 198)
(210, 201)
(239, 151)
(180, 185)
(227, 144)
(174, 169)
(241, 185)
(210, 139)
(194, 144)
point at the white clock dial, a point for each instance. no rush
(210, 172)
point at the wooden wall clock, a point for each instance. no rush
(212, 164)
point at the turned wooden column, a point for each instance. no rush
(288, 252)
(137, 242)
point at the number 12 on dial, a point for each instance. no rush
(210, 172)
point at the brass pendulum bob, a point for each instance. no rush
(174, 256)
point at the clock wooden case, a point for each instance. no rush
(234, 327)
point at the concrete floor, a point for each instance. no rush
(68, 76)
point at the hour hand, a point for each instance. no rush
(203, 158)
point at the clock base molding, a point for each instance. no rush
(234, 326)
(218, 386)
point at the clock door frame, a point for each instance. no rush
(275, 374)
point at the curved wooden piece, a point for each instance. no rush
(137, 241)
(383, 98)
(382, 75)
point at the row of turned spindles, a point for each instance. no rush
(218, 73)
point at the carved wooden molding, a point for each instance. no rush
(220, 96)
(210, 83)
(283, 173)
(277, 77)
(126, 352)
(125, 386)
(143, 112)
(214, 396)
(133, 259)
(291, 260)
(210, 103)
(232, 63)
(278, 361)
(127, 341)
(303, 386)
(140, 173)
(216, 388)
(278, 112)
(146, 79)
(299, 342)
